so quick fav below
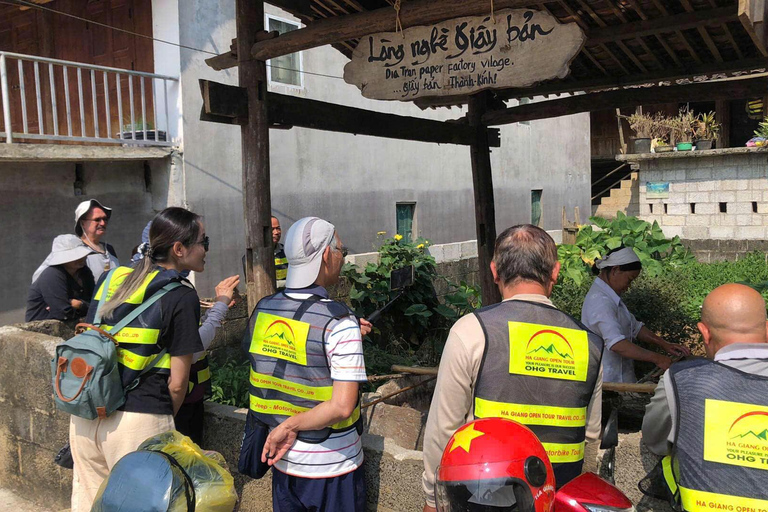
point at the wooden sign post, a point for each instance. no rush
(514, 48)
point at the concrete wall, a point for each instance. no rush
(39, 201)
(736, 177)
(355, 181)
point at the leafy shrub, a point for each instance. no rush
(655, 251)
(229, 383)
(417, 316)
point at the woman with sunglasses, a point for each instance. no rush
(91, 219)
(165, 334)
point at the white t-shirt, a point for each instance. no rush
(341, 453)
(605, 314)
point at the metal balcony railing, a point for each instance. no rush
(46, 100)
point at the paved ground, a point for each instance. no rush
(9, 502)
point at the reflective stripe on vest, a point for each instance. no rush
(701, 501)
(532, 414)
(321, 394)
(138, 335)
(281, 268)
(561, 453)
(539, 368)
(139, 340)
(289, 367)
(282, 408)
(720, 455)
(281, 263)
(118, 277)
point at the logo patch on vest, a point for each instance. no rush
(279, 337)
(736, 433)
(549, 352)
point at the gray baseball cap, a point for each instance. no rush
(304, 246)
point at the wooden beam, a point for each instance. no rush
(744, 88)
(684, 21)
(723, 116)
(357, 25)
(688, 72)
(254, 135)
(228, 104)
(752, 14)
(319, 115)
(703, 33)
(485, 210)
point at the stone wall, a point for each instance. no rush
(717, 194)
(31, 429)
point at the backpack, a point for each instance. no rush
(86, 378)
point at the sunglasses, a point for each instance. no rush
(344, 251)
(98, 220)
(206, 242)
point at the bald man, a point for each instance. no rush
(709, 417)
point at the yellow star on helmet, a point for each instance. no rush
(464, 437)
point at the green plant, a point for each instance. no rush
(762, 130)
(418, 315)
(229, 383)
(648, 241)
(706, 127)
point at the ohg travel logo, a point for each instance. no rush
(550, 344)
(280, 331)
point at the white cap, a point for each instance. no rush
(83, 208)
(621, 257)
(305, 243)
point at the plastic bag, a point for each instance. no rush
(214, 485)
(181, 472)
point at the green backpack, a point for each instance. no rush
(86, 378)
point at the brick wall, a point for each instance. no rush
(722, 195)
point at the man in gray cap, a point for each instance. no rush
(307, 362)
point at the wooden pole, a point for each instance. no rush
(257, 205)
(723, 116)
(485, 210)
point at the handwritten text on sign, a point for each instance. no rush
(464, 55)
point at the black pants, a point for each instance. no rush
(190, 421)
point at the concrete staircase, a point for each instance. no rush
(625, 198)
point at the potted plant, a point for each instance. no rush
(705, 130)
(642, 125)
(761, 135)
(661, 133)
(682, 129)
(128, 129)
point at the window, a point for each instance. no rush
(723, 207)
(287, 68)
(536, 207)
(404, 215)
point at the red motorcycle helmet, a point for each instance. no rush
(494, 465)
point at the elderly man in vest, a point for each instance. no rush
(709, 417)
(306, 357)
(281, 262)
(521, 359)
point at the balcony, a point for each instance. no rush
(50, 101)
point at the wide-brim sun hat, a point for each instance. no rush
(305, 243)
(67, 248)
(83, 208)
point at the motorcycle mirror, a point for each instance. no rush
(401, 278)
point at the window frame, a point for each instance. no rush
(541, 207)
(298, 24)
(414, 225)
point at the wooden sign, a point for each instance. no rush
(464, 55)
